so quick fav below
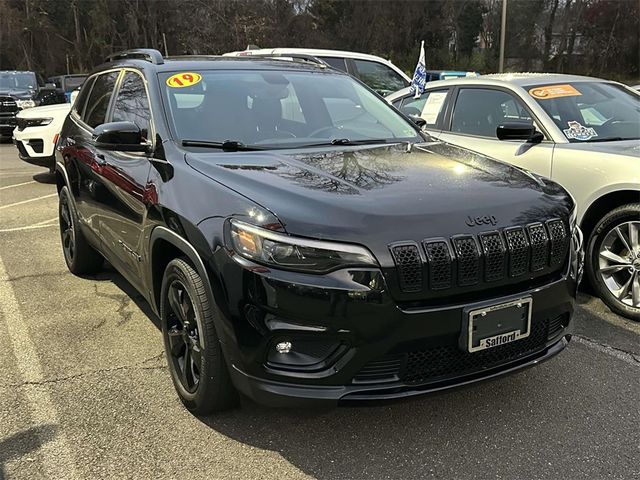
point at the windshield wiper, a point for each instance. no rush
(227, 145)
(344, 141)
(612, 139)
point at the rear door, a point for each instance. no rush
(476, 114)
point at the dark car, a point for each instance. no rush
(66, 84)
(303, 242)
(19, 90)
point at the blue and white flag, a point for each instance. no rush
(420, 75)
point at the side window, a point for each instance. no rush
(335, 62)
(429, 106)
(132, 104)
(99, 98)
(479, 111)
(379, 77)
(81, 101)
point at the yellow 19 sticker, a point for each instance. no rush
(181, 80)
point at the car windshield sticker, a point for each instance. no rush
(432, 107)
(554, 91)
(181, 80)
(579, 132)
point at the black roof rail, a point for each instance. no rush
(149, 54)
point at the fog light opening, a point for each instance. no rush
(283, 347)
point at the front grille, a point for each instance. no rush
(8, 105)
(516, 252)
(439, 363)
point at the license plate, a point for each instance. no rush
(499, 324)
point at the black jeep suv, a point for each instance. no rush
(301, 240)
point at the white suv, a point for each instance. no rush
(37, 131)
(379, 74)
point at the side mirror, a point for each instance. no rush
(519, 131)
(419, 121)
(120, 136)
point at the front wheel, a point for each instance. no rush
(613, 264)
(196, 363)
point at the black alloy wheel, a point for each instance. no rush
(196, 362)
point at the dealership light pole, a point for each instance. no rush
(503, 30)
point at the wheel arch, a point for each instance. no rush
(604, 204)
(165, 245)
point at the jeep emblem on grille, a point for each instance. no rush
(483, 220)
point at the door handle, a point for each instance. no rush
(100, 160)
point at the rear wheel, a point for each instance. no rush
(613, 262)
(198, 369)
(80, 257)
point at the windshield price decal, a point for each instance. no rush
(181, 80)
(576, 131)
(554, 91)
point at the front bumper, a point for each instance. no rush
(357, 343)
(35, 146)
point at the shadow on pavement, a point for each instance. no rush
(24, 442)
(45, 177)
(109, 274)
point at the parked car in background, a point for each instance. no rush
(304, 243)
(20, 90)
(37, 132)
(581, 132)
(379, 74)
(66, 84)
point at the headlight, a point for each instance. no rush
(34, 122)
(299, 254)
(25, 103)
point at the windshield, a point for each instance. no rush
(18, 80)
(276, 109)
(590, 111)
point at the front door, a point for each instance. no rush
(476, 114)
(123, 179)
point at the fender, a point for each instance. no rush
(183, 245)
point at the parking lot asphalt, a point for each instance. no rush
(85, 393)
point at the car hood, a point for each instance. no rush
(18, 93)
(375, 196)
(628, 148)
(61, 109)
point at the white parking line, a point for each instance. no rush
(17, 185)
(27, 201)
(57, 458)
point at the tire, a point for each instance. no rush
(81, 258)
(613, 270)
(192, 347)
